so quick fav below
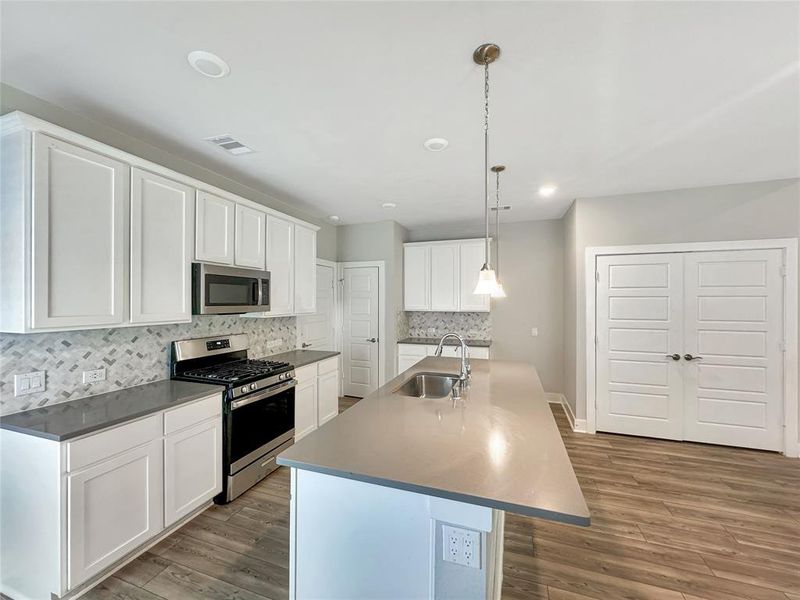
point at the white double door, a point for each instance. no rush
(689, 346)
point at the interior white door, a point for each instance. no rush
(280, 264)
(639, 328)
(733, 331)
(162, 234)
(80, 205)
(444, 277)
(249, 244)
(214, 229)
(317, 331)
(361, 318)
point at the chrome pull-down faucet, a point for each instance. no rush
(466, 370)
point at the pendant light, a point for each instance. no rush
(485, 54)
(498, 292)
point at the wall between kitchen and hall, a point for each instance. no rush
(130, 355)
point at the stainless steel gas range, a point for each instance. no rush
(258, 409)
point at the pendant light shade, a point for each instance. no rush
(499, 292)
(487, 282)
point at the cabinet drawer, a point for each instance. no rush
(103, 445)
(328, 365)
(189, 414)
(413, 350)
(307, 373)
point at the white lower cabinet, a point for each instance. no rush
(316, 399)
(73, 509)
(192, 468)
(113, 507)
(410, 354)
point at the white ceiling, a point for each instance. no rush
(337, 98)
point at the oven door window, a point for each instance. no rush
(256, 424)
(224, 290)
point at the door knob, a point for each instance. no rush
(373, 340)
(675, 356)
(690, 357)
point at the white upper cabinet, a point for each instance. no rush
(305, 270)
(162, 234)
(214, 229)
(444, 277)
(471, 261)
(416, 277)
(79, 218)
(280, 264)
(250, 245)
(440, 276)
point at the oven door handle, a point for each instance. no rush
(277, 389)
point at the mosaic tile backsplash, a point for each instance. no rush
(476, 326)
(130, 355)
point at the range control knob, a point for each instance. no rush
(281, 376)
(253, 386)
(244, 389)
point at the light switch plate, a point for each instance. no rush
(534, 331)
(30, 383)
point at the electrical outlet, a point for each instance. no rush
(94, 376)
(462, 546)
(431, 331)
(30, 383)
(274, 343)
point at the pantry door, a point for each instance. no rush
(361, 305)
(733, 332)
(639, 329)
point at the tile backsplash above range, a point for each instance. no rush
(473, 325)
(130, 355)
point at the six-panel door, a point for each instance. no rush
(80, 206)
(113, 507)
(162, 235)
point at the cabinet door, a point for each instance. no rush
(162, 230)
(416, 278)
(328, 396)
(305, 407)
(80, 207)
(305, 270)
(214, 229)
(114, 506)
(192, 468)
(280, 264)
(472, 258)
(444, 277)
(249, 245)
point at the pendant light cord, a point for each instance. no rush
(486, 255)
(497, 228)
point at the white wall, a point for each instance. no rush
(760, 210)
(382, 240)
(12, 99)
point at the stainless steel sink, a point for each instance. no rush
(428, 385)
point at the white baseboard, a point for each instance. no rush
(578, 425)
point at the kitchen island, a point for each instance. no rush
(404, 497)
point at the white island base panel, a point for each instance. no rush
(356, 540)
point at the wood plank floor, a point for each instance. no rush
(670, 521)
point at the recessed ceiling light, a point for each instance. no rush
(208, 64)
(547, 190)
(436, 144)
(334, 218)
(389, 205)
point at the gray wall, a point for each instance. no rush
(13, 99)
(382, 240)
(760, 210)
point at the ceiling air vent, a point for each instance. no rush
(229, 144)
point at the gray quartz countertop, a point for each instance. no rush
(67, 420)
(301, 358)
(500, 447)
(448, 342)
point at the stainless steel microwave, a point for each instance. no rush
(220, 290)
